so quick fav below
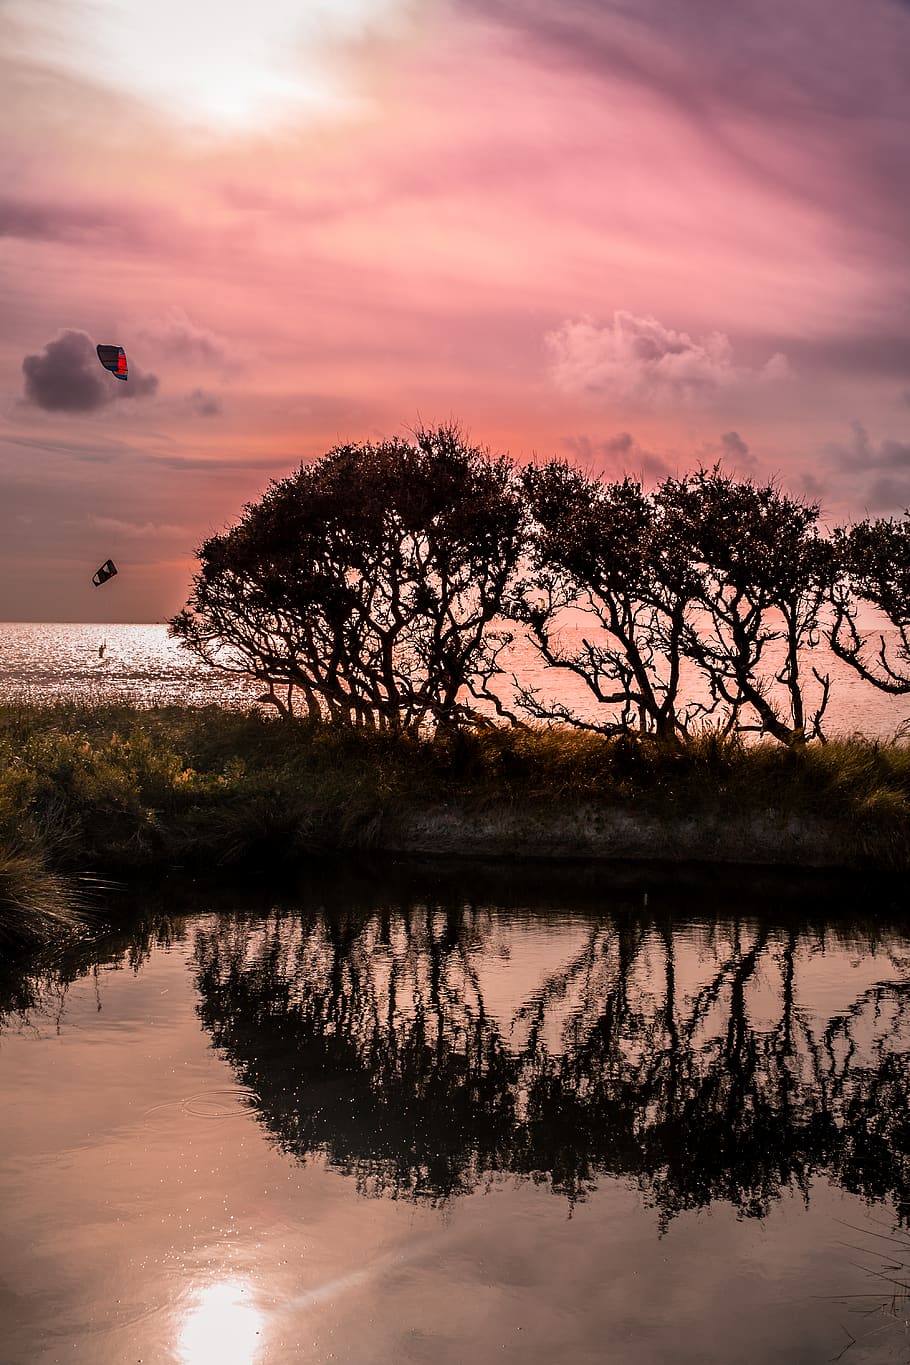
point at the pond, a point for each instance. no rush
(426, 1115)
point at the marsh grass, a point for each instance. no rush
(37, 905)
(87, 787)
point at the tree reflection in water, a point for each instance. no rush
(684, 1054)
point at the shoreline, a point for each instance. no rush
(606, 835)
(607, 846)
(111, 791)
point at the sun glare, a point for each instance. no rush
(232, 68)
(222, 1327)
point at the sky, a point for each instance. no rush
(642, 235)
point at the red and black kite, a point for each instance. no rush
(107, 570)
(113, 358)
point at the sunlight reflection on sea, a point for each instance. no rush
(142, 665)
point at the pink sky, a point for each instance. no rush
(639, 234)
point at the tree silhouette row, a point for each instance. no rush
(385, 584)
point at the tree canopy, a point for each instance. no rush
(874, 562)
(384, 584)
(365, 582)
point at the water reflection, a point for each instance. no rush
(424, 1048)
(222, 1326)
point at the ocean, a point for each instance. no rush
(140, 664)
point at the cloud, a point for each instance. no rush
(47, 221)
(66, 377)
(889, 495)
(808, 486)
(861, 453)
(204, 404)
(141, 384)
(621, 444)
(640, 360)
(776, 369)
(185, 340)
(734, 445)
(212, 463)
(878, 473)
(93, 223)
(617, 456)
(139, 530)
(768, 83)
(94, 452)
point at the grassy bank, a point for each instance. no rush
(109, 789)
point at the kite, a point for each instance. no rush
(113, 358)
(107, 570)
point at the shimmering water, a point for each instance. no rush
(141, 664)
(439, 1121)
(138, 663)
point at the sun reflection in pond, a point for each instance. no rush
(223, 1326)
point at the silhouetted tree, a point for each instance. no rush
(612, 553)
(764, 575)
(366, 582)
(874, 558)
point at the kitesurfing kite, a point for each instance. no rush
(107, 570)
(113, 358)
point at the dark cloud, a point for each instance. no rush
(204, 404)
(66, 377)
(97, 223)
(877, 474)
(734, 445)
(44, 221)
(620, 444)
(881, 351)
(617, 456)
(888, 496)
(861, 453)
(808, 486)
(93, 452)
(141, 384)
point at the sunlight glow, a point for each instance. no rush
(223, 1326)
(230, 68)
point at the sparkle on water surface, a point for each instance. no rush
(143, 665)
(223, 1326)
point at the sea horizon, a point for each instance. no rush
(141, 664)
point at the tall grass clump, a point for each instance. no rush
(36, 904)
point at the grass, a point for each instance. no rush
(109, 788)
(37, 905)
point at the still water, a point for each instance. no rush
(420, 1116)
(142, 665)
